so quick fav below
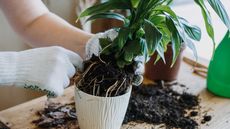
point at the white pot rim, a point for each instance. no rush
(100, 97)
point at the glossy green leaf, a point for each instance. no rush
(156, 19)
(132, 49)
(154, 3)
(153, 36)
(121, 39)
(166, 38)
(128, 56)
(167, 10)
(183, 35)
(140, 9)
(220, 10)
(109, 15)
(192, 31)
(160, 51)
(106, 6)
(175, 40)
(207, 20)
(144, 48)
(140, 33)
(157, 59)
(168, 2)
(135, 3)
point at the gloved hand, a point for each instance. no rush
(47, 69)
(93, 47)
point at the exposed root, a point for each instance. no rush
(102, 77)
(88, 69)
(115, 84)
(120, 86)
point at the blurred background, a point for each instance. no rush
(69, 9)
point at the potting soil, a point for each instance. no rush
(159, 104)
(101, 77)
(56, 115)
(152, 104)
(3, 126)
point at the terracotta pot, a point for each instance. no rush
(162, 71)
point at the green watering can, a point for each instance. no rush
(218, 80)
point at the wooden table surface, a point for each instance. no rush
(20, 116)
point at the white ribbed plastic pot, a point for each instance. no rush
(95, 112)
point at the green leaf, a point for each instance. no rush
(140, 9)
(153, 36)
(144, 49)
(168, 2)
(166, 35)
(128, 56)
(156, 19)
(131, 49)
(184, 36)
(140, 33)
(157, 59)
(192, 31)
(207, 20)
(160, 51)
(121, 39)
(153, 3)
(135, 3)
(175, 39)
(106, 6)
(109, 15)
(220, 10)
(168, 10)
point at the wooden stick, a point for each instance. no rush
(200, 74)
(194, 63)
(201, 70)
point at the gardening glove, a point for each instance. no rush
(93, 47)
(44, 69)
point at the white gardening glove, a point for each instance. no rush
(93, 47)
(47, 69)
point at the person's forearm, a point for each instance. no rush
(50, 29)
(33, 21)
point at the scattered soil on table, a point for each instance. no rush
(193, 113)
(153, 104)
(206, 119)
(159, 104)
(101, 77)
(57, 116)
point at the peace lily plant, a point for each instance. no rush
(148, 28)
